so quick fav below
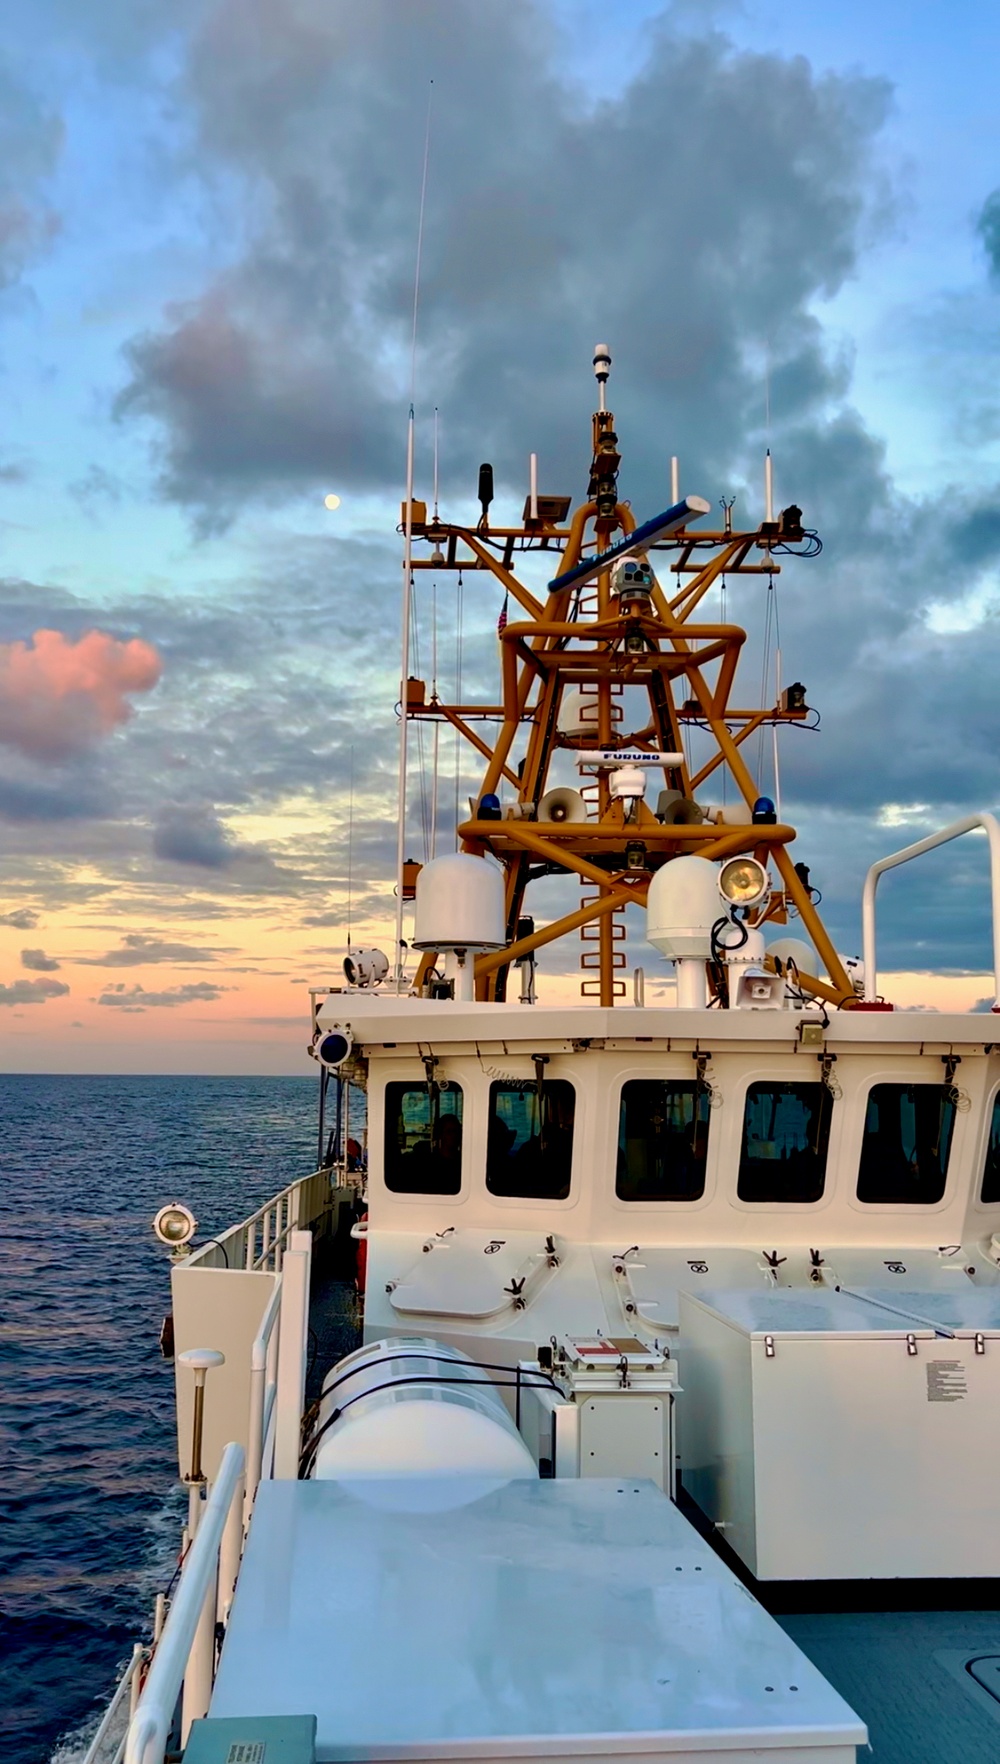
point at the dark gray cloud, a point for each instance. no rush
(137, 950)
(22, 918)
(193, 836)
(26, 992)
(289, 370)
(136, 998)
(39, 962)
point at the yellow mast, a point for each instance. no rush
(600, 643)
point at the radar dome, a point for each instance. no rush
(459, 904)
(682, 906)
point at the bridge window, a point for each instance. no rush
(991, 1172)
(662, 1141)
(786, 1131)
(423, 1138)
(529, 1149)
(904, 1153)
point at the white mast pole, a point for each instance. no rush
(768, 488)
(675, 481)
(408, 562)
(403, 714)
(533, 486)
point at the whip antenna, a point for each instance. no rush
(408, 564)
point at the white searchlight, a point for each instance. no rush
(743, 881)
(175, 1225)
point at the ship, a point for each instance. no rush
(628, 1385)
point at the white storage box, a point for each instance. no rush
(830, 1437)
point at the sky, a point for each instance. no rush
(786, 223)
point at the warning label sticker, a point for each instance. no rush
(945, 1381)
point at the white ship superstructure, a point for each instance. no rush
(669, 1313)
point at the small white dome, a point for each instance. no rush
(459, 904)
(797, 950)
(682, 906)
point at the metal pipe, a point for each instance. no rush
(403, 720)
(292, 1355)
(200, 1669)
(533, 480)
(675, 479)
(150, 1726)
(968, 824)
(230, 1551)
(259, 1354)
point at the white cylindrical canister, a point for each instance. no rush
(376, 1422)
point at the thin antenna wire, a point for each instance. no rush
(350, 851)
(408, 567)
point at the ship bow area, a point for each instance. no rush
(542, 1619)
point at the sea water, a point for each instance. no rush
(90, 1511)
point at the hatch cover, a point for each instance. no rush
(475, 1274)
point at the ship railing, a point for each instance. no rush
(183, 1664)
(969, 824)
(263, 1395)
(99, 1750)
(259, 1243)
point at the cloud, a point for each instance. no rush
(31, 138)
(22, 918)
(136, 998)
(58, 693)
(138, 950)
(38, 961)
(286, 372)
(193, 836)
(988, 228)
(28, 992)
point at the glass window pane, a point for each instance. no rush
(529, 1150)
(423, 1139)
(662, 1141)
(904, 1153)
(991, 1171)
(786, 1131)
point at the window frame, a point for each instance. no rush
(992, 1102)
(665, 1068)
(553, 1071)
(799, 1080)
(680, 1205)
(788, 1071)
(919, 1209)
(422, 1197)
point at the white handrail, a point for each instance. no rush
(991, 827)
(258, 1378)
(150, 1726)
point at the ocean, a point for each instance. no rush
(90, 1511)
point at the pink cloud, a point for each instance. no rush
(59, 693)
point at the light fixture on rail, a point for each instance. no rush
(175, 1225)
(333, 1047)
(365, 967)
(743, 881)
